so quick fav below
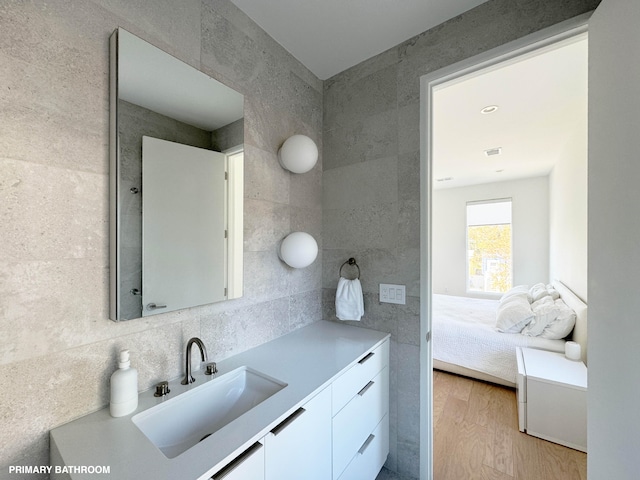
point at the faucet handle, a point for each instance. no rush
(211, 368)
(162, 389)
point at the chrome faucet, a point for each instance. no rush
(188, 378)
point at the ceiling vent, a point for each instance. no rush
(493, 151)
(489, 109)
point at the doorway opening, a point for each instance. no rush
(469, 176)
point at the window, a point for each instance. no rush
(489, 263)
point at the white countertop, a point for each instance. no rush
(307, 360)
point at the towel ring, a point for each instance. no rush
(351, 261)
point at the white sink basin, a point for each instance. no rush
(180, 423)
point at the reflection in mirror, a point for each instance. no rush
(176, 183)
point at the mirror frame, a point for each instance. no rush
(234, 195)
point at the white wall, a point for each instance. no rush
(530, 217)
(613, 233)
(568, 214)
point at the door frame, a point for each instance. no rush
(545, 38)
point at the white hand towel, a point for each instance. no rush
(349, 301)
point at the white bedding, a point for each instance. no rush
(464, 333)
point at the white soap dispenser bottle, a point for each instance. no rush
(124, 388)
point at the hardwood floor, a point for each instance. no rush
(476, 436)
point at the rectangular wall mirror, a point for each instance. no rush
(176, 148)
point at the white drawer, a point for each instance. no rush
(249, 464)
(301, 443)
(557, 413)
(347, 385)
(355, 422)
(371, 455)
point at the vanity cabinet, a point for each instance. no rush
(249, 464)
(300, 446)
(329, 422)
(360, 421)
(366, 464)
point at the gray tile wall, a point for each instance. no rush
(371, 207)
(228, 136)
(58, 345)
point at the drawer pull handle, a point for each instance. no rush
(365, 388)
(366, 357)
(366, 443)
(236, 462)
(287, 421)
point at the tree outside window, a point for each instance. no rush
(489, 239)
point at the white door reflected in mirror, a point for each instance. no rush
(183, 226)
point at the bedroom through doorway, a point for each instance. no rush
(512, 132)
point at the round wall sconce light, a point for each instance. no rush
(298, 154)
(298, 250)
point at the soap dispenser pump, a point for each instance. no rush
(124, 387)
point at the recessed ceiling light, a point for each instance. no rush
(493, 151)
(489, 109)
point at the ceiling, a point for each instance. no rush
(541, 118)
(330, 36)
(155, 80)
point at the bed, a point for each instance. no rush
(466, 342)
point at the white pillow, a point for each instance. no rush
(514, 314)
(515, 291)
(542, 301)
(553, 320)
(553, 292)
(516, 297)
(538, 291)
(544, 314)
(562, 325)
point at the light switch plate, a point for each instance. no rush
(390, 293)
